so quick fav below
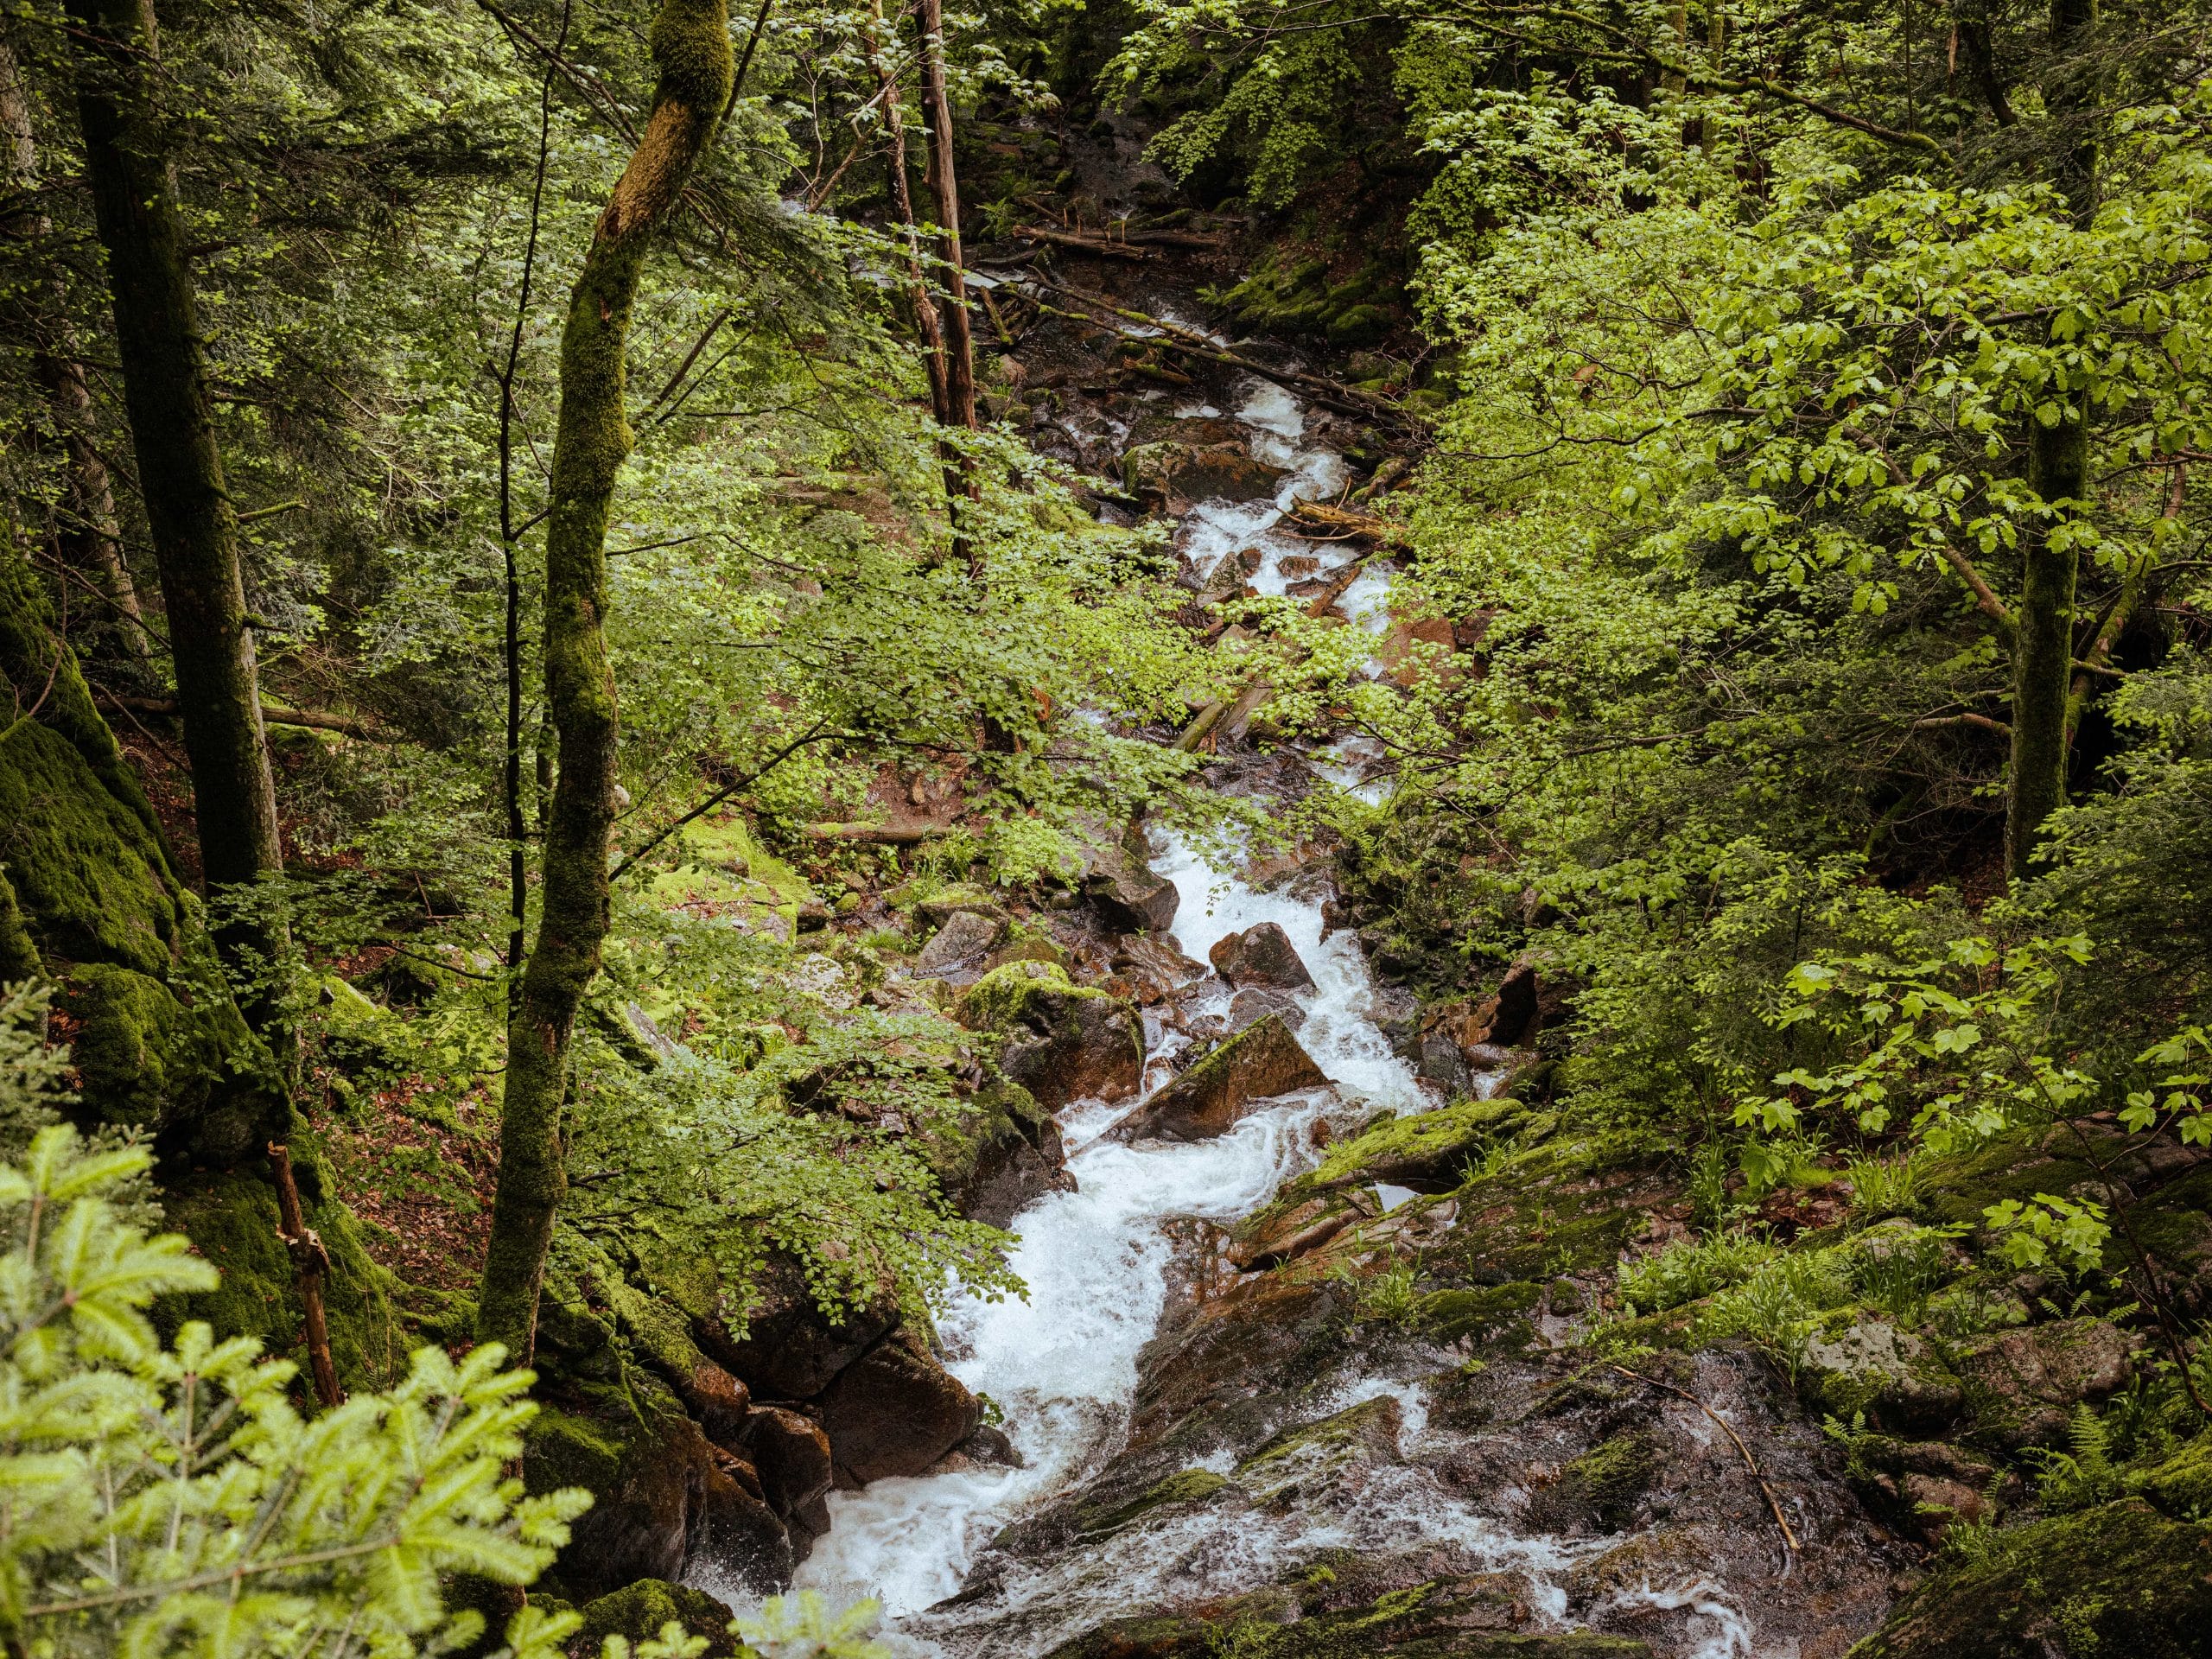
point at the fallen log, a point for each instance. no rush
(275, 714)
(1349, 521)
(879, 835)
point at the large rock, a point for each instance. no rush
(1122, 886)
(1887, 1373)
(790, 1348)
(791, 1453)
(1064, 1042)
(1261, 955)
(1170, 471)
(966, 939)
(2120, 1580)
(638, 1612)
(2022, 1385)
(663, 1496)
(1263, 1060)
(1154, 968)
(1004, 1153)
(895, 1411)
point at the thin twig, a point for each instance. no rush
(1749, 1462)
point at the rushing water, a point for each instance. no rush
(1063, 1365)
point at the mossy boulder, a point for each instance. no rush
(640, 1611)
(2022, 1385)
(1890, 1374)
(1186, 1486)
(2119, 1579)
(1063, 1042)
(2181, 1487)
(192, 1075)
(1003, 1154)
(1428, 1152)
(1261, 1062)
(89, 875)
(231, 1218)
(1483, 1313)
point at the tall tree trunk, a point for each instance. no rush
(189, 508)
(88, 540)
(945, 184)
(689, 40)
(2043, 652)
(2059, 470)
(927, 323)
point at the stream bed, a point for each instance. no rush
(1192, 1437)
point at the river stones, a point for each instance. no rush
(1263, 1061)
(1155, 968)
(1260, 956)
(1064, 1042)
(1248, 1007)
(1170, 472)
(966, 939)
(1004, 1153)
(895, 1411)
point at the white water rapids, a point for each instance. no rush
(1063, 1365)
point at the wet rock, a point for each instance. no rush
(1120, 884)
(1887, 1373)
(1004, 1154)
(1428, 1151)
(664, 1494)
(1601, 1488)
(1155, 969)
(1249, 1007)
(1332, 1453)
(895, 1411)
(1277, 1235)
(734, 1529)
(1064, 1042)
(2117, 1579)
(791, 1350)
(638, 1611)
(2022, 1385)
(791, 1455)
(966, 939)
(1459, 1040)
(1261, 955)
(1258, 1062)
(1170, 472)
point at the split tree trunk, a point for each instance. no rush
(689, 40)
(189, 508)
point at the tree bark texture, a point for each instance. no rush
(189, 508)
(945, 183)
(2043, 652)
(689, 41)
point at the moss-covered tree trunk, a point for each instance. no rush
(188, 509)
(2042, 647)
(689, 41)
(2059, 470)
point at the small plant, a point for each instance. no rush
(1777, 1307)
(1388, 1296)
(2084, 1476)
(1898, 1273)
(1688, 1271)
(1708, 1187)
(1883, 1186)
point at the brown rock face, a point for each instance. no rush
(791, 1453)
(1261, 955)
(1263, 1060)
(734, 1529)
(790, 1352)
(895, 1411)
(964, 940)
(1460, 1038)
(1154, 969)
